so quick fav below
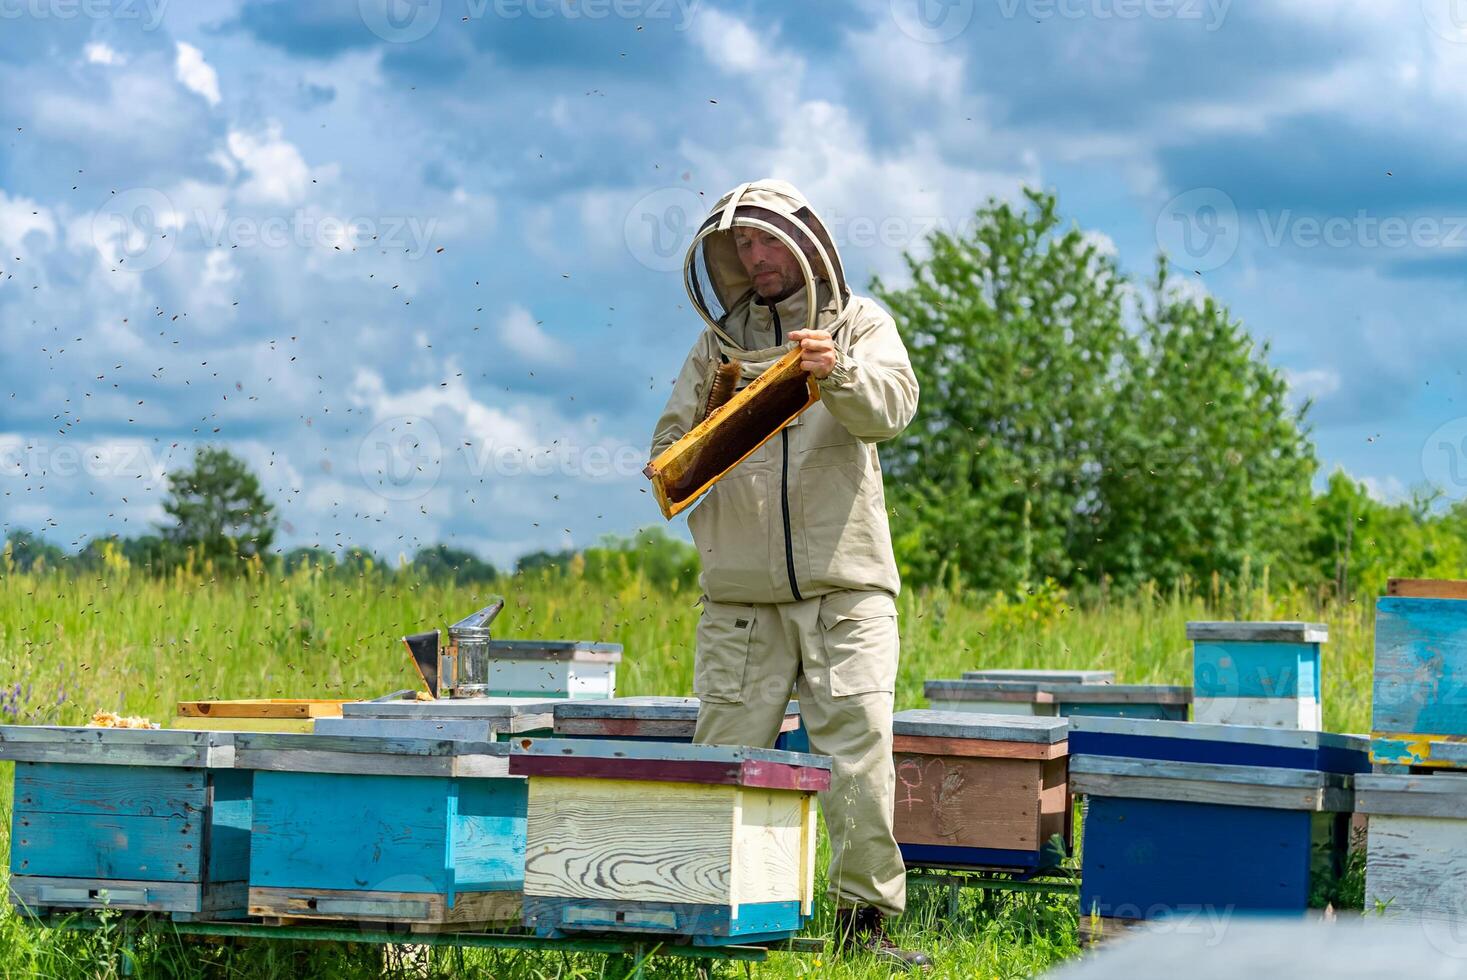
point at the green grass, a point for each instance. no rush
(133, 644)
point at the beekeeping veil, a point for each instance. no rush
(716, 281)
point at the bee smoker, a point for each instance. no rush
(460, 669)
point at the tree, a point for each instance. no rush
(218, 509)
(452, 564)
(313, 556)
(1017, 336)
(28, 550)
(1209, 464)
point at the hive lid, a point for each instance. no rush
(513, 714)
(1043, 676)
(676, 762)
(641, 708)
(583, 651)
(987, 727)
(117, 746)
(1046, 693)
(1280, 632)
(1231, 734)
(436, 729)
(1218, 784)
(370, 755)
(1436, 795)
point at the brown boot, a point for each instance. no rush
(863, 930)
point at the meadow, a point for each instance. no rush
(122, 641)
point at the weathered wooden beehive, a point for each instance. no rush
(1257, 673)
(1416, 857)
(1419, 711)
(256, 714)
(1046, 698)
(979, 790)
(1043, 676)
(1187, 817)
(710, 844)
(662, 719)
(129, 819)
(423, 832)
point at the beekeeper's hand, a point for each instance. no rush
(817, 352)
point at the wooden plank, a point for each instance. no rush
(767, 847)
(115, 746)
(297, 725)
(1304, 714)
(609, 728)
(87, 845)
(406, 746)
(1420, 667)
(1242, 775)
(264, 708)
(961, 802)
(704, 925)
(1294, 631)
(433, 729)
(1427, 588)
(486, 846)
(750, 772)
(138, 791)
(1233, 734)
(1438, 795)
(1021, 708)
(947, 690)
(37, 893)
(977, 748)
(1049, 676)
(629, 841)
(1330, 799)
(428, 908)
(990, 728)
(483, 765)
(1417, 866)
(1428, 751)
(513, 714)
(227, 824)
(528, 748)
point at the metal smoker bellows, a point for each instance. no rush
(461, 669)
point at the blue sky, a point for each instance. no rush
(415, 259)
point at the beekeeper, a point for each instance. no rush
(798, 575)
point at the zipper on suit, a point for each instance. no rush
(784, 479)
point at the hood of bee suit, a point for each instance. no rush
(714, 276)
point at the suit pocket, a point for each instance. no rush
(861, 642)
(725, 632)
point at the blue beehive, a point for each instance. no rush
(1257, 673)
(129, 819)
(417, 831)
(1419, 714)
(1185, 817)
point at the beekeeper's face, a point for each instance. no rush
(772, 266)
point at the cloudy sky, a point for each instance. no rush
(416, 259)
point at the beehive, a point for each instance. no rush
(660, 719)
(552, 669)
(1257, 673)
(421, 832)
(980, 790)
(1044, 698)
(1187, 818)
(1419, 713)
(129, 819)
(1416, 857)
(713, 844)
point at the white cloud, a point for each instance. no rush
(19, 217)
(277, 172)
(1387, 489)
(1313, 383)
(97, 53)
(196, 74)
(519, 332)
